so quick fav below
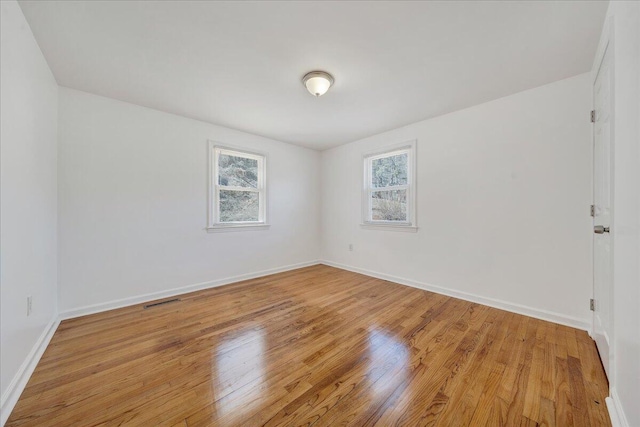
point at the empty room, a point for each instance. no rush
(320, 213)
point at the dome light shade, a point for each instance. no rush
(317, 82)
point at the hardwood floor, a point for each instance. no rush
(316, 346)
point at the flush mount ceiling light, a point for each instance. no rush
(317, 82)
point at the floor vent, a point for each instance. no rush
(155, 304)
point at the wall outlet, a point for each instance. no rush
(350, 247)
(29, 304)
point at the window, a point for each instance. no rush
(389, 189)
(238, 190)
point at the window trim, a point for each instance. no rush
(410, 225)
(213, 206)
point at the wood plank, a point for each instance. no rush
(316, 346)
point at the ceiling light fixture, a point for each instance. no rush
(317, 82)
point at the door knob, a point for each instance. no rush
(600, 229)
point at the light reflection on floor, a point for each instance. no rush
(389, 361)
(237, 367)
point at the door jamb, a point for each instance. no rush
(607, 42)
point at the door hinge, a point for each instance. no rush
(592, 304)
(592, 210)
(593, 116)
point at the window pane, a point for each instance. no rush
(239, 206)
(389, 171)
(389, 205)
(237, 171)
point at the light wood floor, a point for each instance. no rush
(316, 346)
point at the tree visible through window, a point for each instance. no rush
(238, 188)
(388, 187)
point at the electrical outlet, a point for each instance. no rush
(29, 304)
(350, 247)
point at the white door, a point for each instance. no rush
(602, 271)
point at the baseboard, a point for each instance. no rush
(616, 413)
(10, 397)
(125, 302)
(491, 302)
(19, 382)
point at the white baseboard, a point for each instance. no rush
(550, 316)
(616, 413)
(125, 302)
(10, 397)
(18, 383)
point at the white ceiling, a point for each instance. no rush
(239, 64)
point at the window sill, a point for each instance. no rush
(236, 227)
(390, 227)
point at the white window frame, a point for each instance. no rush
(410, 224)
(214, 223)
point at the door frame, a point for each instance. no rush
(607, 43)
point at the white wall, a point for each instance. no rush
(29, 104)
(133, 204)
(504, 190)
(625, 384)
